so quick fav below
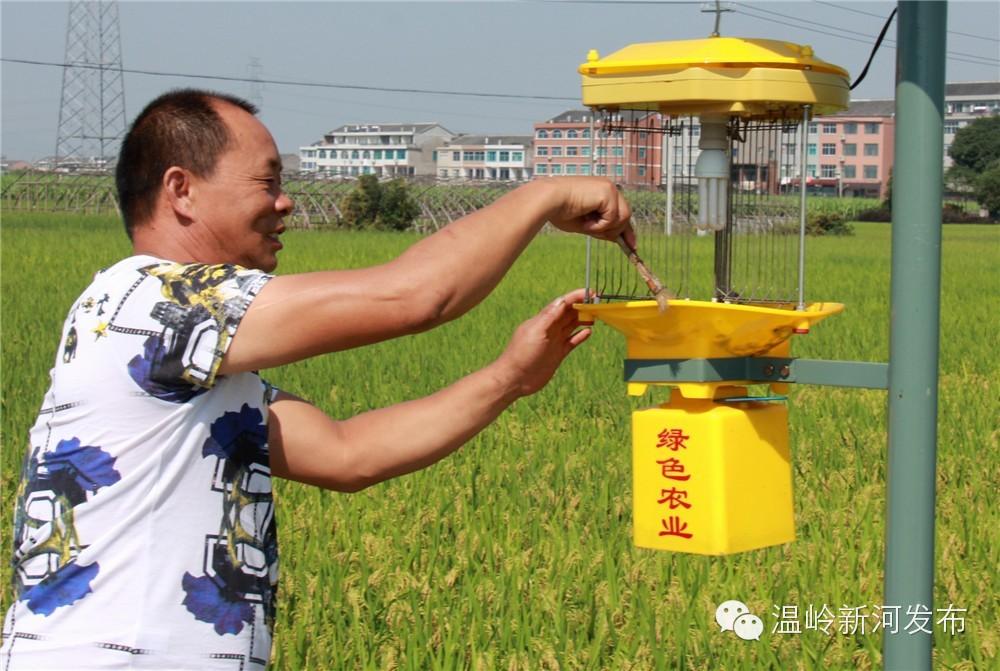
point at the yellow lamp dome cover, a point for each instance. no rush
(744, 76)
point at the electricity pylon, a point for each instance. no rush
(92, 109)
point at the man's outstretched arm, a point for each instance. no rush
(435, 280)
(308, 446)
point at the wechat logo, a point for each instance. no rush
(734, 616)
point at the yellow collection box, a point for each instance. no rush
(711, 477)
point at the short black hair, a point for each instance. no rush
(180, 128)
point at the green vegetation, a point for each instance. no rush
(381, 205)
(515, 553)
(976, 152)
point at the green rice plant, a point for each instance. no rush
(516, 552)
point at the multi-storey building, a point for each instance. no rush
(505, 158)
(850, 153)
(384, 150)
(567, 145)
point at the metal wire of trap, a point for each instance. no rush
(652, 156)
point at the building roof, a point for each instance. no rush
(572, 116)
(387, 127)
(885, 108)
(972, 89)
(491, 139)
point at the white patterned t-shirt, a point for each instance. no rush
(144, 531)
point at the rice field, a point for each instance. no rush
(516, 553)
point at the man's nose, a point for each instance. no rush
(284, 204)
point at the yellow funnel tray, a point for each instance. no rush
(703, 329)
(722, 75)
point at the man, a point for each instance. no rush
(144, 531)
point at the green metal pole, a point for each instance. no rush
(913, 338)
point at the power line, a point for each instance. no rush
(988, 60)
(861, 11)
(955, 56)
(280, 82)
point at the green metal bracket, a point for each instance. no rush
(863, 374)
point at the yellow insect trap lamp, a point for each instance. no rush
(719, 127)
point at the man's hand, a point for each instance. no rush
(540, 344)
(593, 206)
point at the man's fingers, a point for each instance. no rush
(578, 338)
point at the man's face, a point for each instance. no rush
(241, 204)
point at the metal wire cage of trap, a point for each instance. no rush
(751, 255)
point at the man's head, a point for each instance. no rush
(203, 160)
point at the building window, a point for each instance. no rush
(584, 151)
(850, 128)
(557, 151)
(491, 156)
(617, 151)
(517, 156)
(850, 149)
(455, 155)
(850, 172)
(829, 128)
(602, 151)
(642, 152)
(642, 171)
(557, 133)
(871, 128)
(378, 154)
(571, 151)
(541, 151)
(354, 154)
(571, 169)
(871, 150)
(366, 154)
(557, 169)
(828, 171)
(571, 134)
(813, 127)
(829, 149)
(618, 170)
(505, 157)
(812, 149)
(542, 134)
(333, 153)
(541, 169)
(585, 169)
(602, 170)
(586, 133)
(950, 127)
(466, 155)
(871, 172)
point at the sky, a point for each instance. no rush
(529, 48)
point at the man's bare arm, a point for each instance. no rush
(308, 446)
(439, 278)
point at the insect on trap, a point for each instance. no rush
(721, 125)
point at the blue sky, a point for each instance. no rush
(519, 48)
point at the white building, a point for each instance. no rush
(505, 158)
(385, 150)
(964, 102)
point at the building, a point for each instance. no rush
(385, 150)
(619, 149)
(850, 153)
(505, 158)
(964, 102)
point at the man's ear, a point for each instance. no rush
(177, 183)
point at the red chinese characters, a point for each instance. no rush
(672, 468)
